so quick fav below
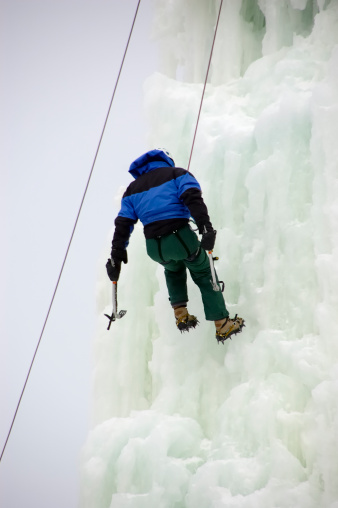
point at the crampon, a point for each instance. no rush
(186, 322)
(230, 327)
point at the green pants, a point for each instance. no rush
(181, 250)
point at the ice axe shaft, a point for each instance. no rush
(216, 286)
(115, 315)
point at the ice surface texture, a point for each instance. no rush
(185, 422)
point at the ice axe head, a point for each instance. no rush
(114, 316)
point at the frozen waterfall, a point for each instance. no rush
(178, 420)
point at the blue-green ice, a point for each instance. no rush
(179, 421)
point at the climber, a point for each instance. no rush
(164, 197)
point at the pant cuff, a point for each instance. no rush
(179, 304)
(217, 318)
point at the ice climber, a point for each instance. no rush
(164, 197)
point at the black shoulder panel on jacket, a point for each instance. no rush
(153, 178)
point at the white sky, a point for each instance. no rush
(59, 63)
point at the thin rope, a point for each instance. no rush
(205, 83)
(73, 232)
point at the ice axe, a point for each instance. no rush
(216, 286)
(115, 314)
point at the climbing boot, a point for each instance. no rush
(227, 327)
(184, 320)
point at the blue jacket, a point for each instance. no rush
(162, 196)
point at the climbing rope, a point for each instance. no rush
(205, 84)
(73, 232)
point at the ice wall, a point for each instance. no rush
(178, 420)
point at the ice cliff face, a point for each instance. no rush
(180, 421)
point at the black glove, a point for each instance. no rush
(119, 255)
(113, 265)
(113, 269)
(208, 238)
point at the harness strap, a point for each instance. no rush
(183, 243)
(158, 239)
(194, 255)
(190, 256)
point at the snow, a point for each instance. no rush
(178, 420)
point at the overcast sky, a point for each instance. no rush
(59, 64)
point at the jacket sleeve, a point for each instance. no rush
(123, 229)
(191, 196)
(124, 225)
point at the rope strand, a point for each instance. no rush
(205, 83)
(73, 232)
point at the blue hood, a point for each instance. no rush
(148, 161)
